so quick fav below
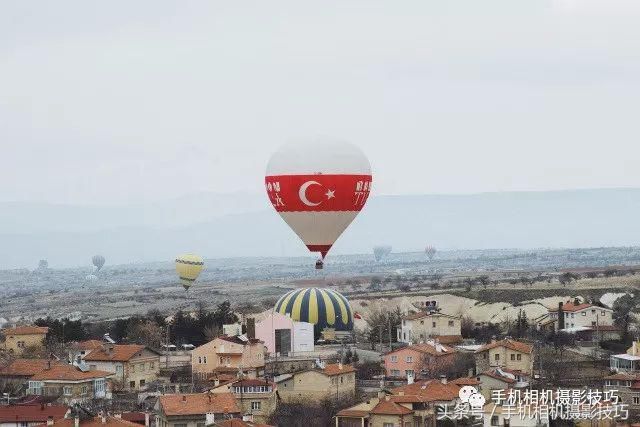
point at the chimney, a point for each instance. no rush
(340, 365)
(49, 420)
(560, 316)
(104, 418)
(493, 339)
(49, 364)
(146, 420)
(251, 328)
(576, 301)
(634, 348)
(76, 420)
(443, 379)
(184, 398)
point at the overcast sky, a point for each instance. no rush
(120, 101)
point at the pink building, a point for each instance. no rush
(426, 360)
(284, 336)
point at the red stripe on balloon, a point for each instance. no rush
(323, 249)
(318, 193)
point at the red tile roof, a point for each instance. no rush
(198, 404)
(89, 345)
(236, 422)
(426, 349)
(68, 373)
(31, 413)
(508, 343)
(119, 353)
(332, 369)
(422, 314)
(466, 381)
(388, 407)
(426, 391)
(94, 422)
(26, 330)
(353, 413)
(26, 367)
(134, 417)
(495, 375)
(449, 339)
(571, 307)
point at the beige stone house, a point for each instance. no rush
(334, 381)
(419, 327)
(22, 337)
(134, 365)
(246, 355)
(70, 384)
(257, 398)
(506, 353)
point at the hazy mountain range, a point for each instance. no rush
(244, 225)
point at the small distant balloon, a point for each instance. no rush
(43, 264)
(91, 278)
(381, 252)
(430, 251)
(98, 261)
(188, 267)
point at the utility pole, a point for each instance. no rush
(380, 335)
(389, 321)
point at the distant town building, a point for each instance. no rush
(134, 365)
(30, 415)
(90, 421)
(237, 353)
(508, 354)
(79, 350)
(575, 314)
(257, 398)
(495, 415)
(19, 371)
(70, 384)
(419, 361)
(430, 324)
(627, 386)
(195, 410)
(284, 336)
(21, 337)
(335, 381)
(627, 362)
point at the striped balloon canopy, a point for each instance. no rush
(325, 308)
(188, 267)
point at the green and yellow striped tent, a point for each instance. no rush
(325, 308)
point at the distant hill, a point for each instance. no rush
(68, 235)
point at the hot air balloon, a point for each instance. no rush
(188, 267)
(98, 261)
(380, 252)
(91, 278)
(324, 308)
(318, 188)
(430, 251)
(43, 264)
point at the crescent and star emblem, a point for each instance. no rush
(302, 193)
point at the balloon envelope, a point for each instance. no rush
(98, 261)
(430, 251)
(380, 252)
(318, 188)
(188, 267)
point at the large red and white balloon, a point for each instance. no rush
(318, 188)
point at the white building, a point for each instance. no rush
(285, 336)
(574, 314)
(419, 327)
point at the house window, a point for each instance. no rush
(395, 373)
(21, 344)
(341, 380)
(604, 313)
(573, 315)
(142, 382)
(422, 322)
(495, 421)
(66, 390)
(394, 359)
(152, 365)
(636, 400)
(387, 425)
(496, 357)
(593, 323)
(133, 368)
(409, 359)
(99, 385)
(450, 322)
(410, 372)
(205, 359)
(519, 357)
(484, 356)
(132, 384)
(433, 324)
(84, 389)
(200, 359)
(593, 312)
(35, 387)
(119, 369)
(255, 406)
(513, 356)
(584, 313)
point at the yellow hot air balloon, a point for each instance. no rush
(188, 267)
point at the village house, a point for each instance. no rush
(507, 353)
(70, 384)
(134, 365)
(284, 336)
(334, 381)
(501, 379)
(424, 325)
(627, 362)
(195, 410)
(237, 353)
(588, 320)
(257, 398)
(419, 360)
(496, 416)
(19, 371)
(22, 337)
(415, 404)
(627, 386)
(79, 350)
(30, 415)
(88, 420)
